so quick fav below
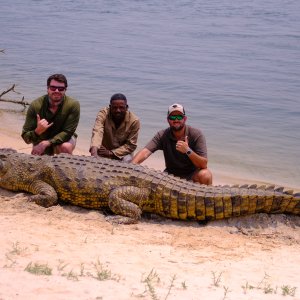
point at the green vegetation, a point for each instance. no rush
(38, 269)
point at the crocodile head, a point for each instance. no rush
(4, 161)
(7, 150)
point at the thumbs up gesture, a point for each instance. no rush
(186, 139)
(182, 146)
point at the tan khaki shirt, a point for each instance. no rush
(121, 141)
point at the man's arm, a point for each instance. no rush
(153, 145)
(141, 156)
(28, 132)
(40, 148)
(98, 132)
(198, 160)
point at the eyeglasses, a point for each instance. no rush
(53, 88)
(176, 117)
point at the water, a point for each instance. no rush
(234, 65)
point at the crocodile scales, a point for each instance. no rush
(128, 190)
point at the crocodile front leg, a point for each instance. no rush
(127, 203)
(44, 194)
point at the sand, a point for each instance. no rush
(66, 252)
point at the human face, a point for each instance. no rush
(54, 94)
(118, 109)
(176, 124)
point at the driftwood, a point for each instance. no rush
(12, 89)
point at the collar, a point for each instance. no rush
(48, 101)
(171, 135)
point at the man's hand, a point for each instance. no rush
(182, 146)
(42, 125)
(40, 148)
(94, 151)
(105, 152)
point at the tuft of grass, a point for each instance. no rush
(38, 269)
(184, 286)
(269, 290)
(12, 261)
(288, 290)
(226, 291)
(263, 281)
(265, 286)
(247, 287)
(170, 286)
(82, 269)
(216, 278)
(61, 265)
(71, 275)
(151, 279)
(16, 249)
(103, 273)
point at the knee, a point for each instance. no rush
(204, 176)
(127, 158)
(64, 148)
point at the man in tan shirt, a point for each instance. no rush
(115, 132)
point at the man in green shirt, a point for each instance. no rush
(52, 119)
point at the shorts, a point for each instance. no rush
(72, 141)
(188, 177)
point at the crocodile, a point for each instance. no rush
(128, 190)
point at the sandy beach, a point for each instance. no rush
(66, 252)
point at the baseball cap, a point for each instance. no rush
(176, 107)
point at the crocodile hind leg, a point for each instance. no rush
(127, 202)
(44, 194)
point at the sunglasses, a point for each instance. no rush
(53, 88)
(176, 117)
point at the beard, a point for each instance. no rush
(177, 127)
(118, 117)
(56, 98)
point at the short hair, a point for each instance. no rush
(58, 77)
(118, 96)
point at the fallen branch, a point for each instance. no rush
(22, 102)
(12, 89)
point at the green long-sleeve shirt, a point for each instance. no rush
(65, 121)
